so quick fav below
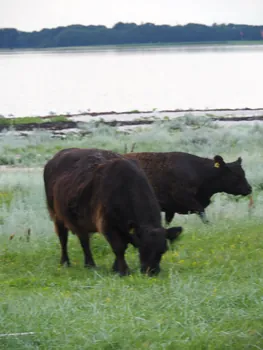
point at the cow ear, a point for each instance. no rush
(239, 160)
(173, 232)
(218, 161)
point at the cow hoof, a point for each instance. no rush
(125, 273)
(90, 266)
(122, 273)
(65, 263)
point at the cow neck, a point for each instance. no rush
(145, 222)
(210, 183)
(143, 209)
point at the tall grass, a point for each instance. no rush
(207, 296)
(201, 137)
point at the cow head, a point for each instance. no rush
(231, 177)
(153, 245)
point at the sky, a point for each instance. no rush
(32, 15)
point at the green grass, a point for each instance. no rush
(6, 197)
(28, 120)
(208, 294)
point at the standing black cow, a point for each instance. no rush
(92, 190)
(184, 183)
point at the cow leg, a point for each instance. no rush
(62, 233)
(85, 243)
(168, 217)
(119, 247)
(203, 217)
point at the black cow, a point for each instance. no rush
(92, 190)
(184, 183)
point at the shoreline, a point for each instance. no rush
(176, 110)
(128, 45)
(60, 124)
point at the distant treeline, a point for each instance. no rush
(127, 33)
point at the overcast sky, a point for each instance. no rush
(37, 14)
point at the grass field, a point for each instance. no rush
(209, 294)
(9, 122)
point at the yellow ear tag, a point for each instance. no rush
(131, 232)
(217, 165)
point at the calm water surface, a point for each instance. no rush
(36, 82)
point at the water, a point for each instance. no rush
(37, 82)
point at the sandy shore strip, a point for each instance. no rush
(146, 115)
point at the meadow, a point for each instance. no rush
(209, 294)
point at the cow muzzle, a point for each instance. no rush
(150, 271)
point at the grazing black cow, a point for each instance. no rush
(92, 190)
(184, 183)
